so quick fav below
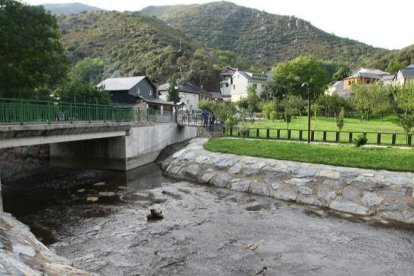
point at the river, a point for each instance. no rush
(98, 220)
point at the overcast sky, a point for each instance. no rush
(386, 24)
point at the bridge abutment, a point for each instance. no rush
(139, 147)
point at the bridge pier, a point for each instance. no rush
(139, 147)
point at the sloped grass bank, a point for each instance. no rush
(393, 159)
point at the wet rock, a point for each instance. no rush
(392, 193)
(141, 194)
(329, 174)
(179, 154)
(207, 177)
(81, 190)
(306, 172)
(298, 181)
(99, 184)
(393, 205)
(107, 194)
(349, 207)
(236, 169)
(175, 170)
(403, 216)
(155, 215)
(309, 200)
(305, 190)
(351, 193)
(223, 162)
(240, 185)
(202, 159)
(221, 180)
(286, 194)
(189, 156)
(371, 199)
(259, 189)
(365, 183)
(333, 183)
(326, 194)
(92, 198)
(19, 248)
(192, 170)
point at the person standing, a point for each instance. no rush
(205, 118)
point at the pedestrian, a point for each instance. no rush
(212, 121)
(205, 118)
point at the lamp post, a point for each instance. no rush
(306, 86)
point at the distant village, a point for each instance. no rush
(233, 87)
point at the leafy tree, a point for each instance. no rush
(268, 108)
(273, 115)
(341, 73)
(82, 82)
(32, 60)
(289, 76)
(404, 106)
(370, 97)
(252, 100)
(173, 94)
(340, 119)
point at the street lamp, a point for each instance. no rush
(306, 86)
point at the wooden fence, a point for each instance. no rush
(375, 138)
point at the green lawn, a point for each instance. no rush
(390, 124)
(393, 159)
(386, 127)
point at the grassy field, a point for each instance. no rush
(386, 127)
(393, 159)
(389, 125)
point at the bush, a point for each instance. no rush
(360, 140)
(243, 129)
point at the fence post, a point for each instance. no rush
(21, 112)
(393, 138)
(231, 131)
(324, 136)
(300, 135)
(257, 133)
(312, 135)
(278, 134)
(224, 130)
(337, 137)
(409, 139)
(350, 137)
(289, 132)
(267, 133)
(379, 138)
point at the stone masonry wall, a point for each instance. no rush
(385, 194)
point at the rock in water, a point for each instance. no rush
(155, 215)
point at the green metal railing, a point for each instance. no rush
(30, 111)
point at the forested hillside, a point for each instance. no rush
(393, 60)
(132, 43)
(259, 36)
(69, 8)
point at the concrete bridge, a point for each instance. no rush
(111, 145)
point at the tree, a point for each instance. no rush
(340, 119)
(268, 108)
(341, 73)
(289, 76)
(82, 83)
(32, 60)
(370, 98)
(173, 94)
(252, 100)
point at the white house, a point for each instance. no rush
(405, 75)
(241, 81)
(190, 94)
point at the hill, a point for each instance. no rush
(69, 8)
(393, 60)
(132, 43)
(259, 36)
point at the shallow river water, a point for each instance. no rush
(102, 227)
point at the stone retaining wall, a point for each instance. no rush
(385, 194)
(22, 254)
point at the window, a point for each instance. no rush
(227, 85)
(254, 85)
(150, 92)
(234, 87)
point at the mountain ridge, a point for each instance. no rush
(69, 8)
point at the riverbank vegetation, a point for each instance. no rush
(393, 159)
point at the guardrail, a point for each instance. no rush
(377, 138)
(30, 111)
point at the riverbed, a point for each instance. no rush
(99, 221)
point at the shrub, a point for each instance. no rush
(243, 129)
(360, 140)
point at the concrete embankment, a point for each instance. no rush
(22, 254)
(385, 194)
